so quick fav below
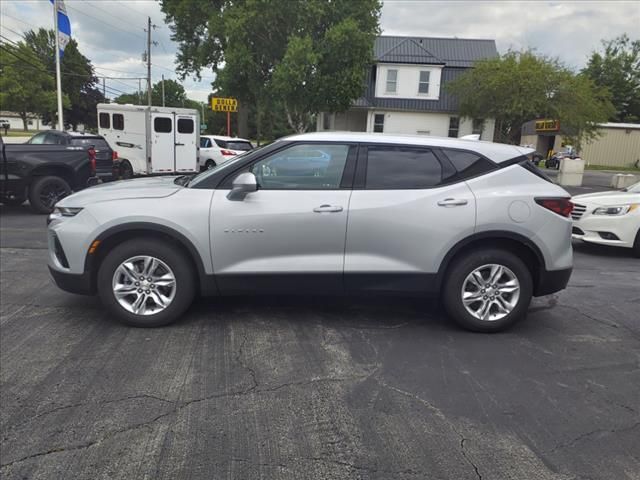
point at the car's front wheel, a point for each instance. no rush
(487, 290)
(146, 283)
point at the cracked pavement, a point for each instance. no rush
(316, 388)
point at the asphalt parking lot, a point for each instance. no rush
(314, 388)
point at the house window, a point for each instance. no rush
(478, 125)
(454, 126)
(423, 85)
(392, 81)
(378, 122)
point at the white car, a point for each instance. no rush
(609, 218)
(215, 149)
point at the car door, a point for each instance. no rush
(403, 217)
(289, 235)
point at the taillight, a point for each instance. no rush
(92, 159)
(227, 152)
(561, 206)
(114, 155)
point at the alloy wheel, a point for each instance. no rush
(144, 285)
(490, 292)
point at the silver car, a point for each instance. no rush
(474, 222)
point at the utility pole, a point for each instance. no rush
(149, 60)
(139, 92)
(163, 90)
(104, 88)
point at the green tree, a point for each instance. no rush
(25, 85)
(303, 55)
(79, 82)
(521, 86)
(617, 67)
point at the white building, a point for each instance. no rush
(405, 91)
(34, 122)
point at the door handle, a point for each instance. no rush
(177, 144)
(328, 208)
(452, 202)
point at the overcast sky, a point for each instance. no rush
(111, 32)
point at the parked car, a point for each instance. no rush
(44, 173)
(609, 218)
(105, 155)
(475, 222)
(215, 149)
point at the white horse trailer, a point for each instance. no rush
(153, 140)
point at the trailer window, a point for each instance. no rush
(118, 121)
(105, 121)
(162, 125)
(185, 125)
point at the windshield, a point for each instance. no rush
(635, 188)
(207, 173)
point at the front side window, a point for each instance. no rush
(423, 85)
(454, 126)
(378, 122)
(162, 125)
(395, 168)
(105, 121)
(37, 139)
(392, 81)
(53, 139)
(118, 121)
(303, 167)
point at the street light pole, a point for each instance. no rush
(58, 79)
(149, 60)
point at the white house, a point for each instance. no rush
(405, 89)
(34, 122)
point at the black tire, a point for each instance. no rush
(126, 170)
(177, 261)
(636, 245)
(45, 192)
(209, 164)
(463, 266)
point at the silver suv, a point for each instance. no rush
(324, 213)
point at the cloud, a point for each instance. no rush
(111, 32)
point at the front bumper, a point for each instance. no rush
(73, 283)
(552, 281)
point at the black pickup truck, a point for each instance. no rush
(44, 173)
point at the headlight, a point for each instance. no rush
(60, 212)
(615, 211)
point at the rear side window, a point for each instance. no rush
(118, 121)
(528, 165)
(162, 125)
(220, 143)
(97, 143)
(395, 168)
(185, 125)
(105, 121)
(468, 164)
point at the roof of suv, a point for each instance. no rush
(498, 152)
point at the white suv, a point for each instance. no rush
(215, 150)
(324, 213)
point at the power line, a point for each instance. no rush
(120, 71)
(111, 15)
(103, 22)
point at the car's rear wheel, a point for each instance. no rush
(209, 164)
(45, 192)
(146, 283)
(487, 290)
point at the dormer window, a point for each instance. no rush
(423, 84)
(392, 81)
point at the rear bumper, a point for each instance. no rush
(73, 283)
(551, 281)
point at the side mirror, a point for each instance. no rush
(242, 185)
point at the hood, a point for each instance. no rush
(607, 198)
(153, 187)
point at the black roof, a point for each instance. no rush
(455, 55)
(452, 52)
